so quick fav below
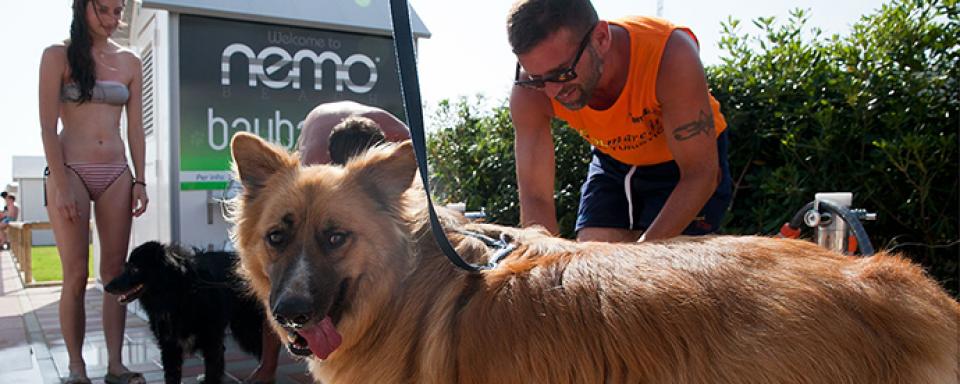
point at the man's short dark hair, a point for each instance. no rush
(353, 136)
(532, 21)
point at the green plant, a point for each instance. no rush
(472, 160)
(874, 113)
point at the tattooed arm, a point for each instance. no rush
(688, 124)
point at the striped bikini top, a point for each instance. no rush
(106, 92)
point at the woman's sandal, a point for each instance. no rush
(76, 378)
(128, 377)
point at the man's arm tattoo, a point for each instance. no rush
(704, 124)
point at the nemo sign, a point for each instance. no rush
(240, 76)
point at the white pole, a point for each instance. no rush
(659, 8)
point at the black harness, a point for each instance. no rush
(502, 246)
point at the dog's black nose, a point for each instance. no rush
(292, 312)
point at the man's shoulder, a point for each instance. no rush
(641, 24)
(528, 102)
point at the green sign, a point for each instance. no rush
(262, 78)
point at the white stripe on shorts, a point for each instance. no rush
(629, 192)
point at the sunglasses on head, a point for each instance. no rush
(560, 76)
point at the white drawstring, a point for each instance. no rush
(628, 191)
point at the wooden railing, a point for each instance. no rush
(21, 244)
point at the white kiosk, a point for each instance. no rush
(213, 68)
(28, 178)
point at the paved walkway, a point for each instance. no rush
(32, 349)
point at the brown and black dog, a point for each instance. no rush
(344, 260)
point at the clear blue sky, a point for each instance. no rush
(467, 54)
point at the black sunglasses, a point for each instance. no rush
(561, 76)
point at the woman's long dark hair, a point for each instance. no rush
(83, 70)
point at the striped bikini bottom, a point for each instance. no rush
(97, 177)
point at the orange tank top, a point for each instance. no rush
(631, 130)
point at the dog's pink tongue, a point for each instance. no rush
(322, 338)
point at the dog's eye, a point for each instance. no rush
(336, 239)
(276, 238)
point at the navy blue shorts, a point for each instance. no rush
(605, 201)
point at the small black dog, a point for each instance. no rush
(190, 298)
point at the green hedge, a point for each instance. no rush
(874, 112)
(471, 154)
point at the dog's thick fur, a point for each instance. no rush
(351, 243)
(190, 298)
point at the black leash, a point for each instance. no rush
(410, 89)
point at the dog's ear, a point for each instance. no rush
(255, 160)
(389, 170)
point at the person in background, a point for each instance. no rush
(3, 196)
(10, 213)
(635, 89)
(314, 142)
(353, 136)
(86, 83)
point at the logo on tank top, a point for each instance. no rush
(636, 132)
(642, 130)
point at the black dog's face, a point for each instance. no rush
(145, 261)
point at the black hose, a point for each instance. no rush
(866, 248)
(797, 221)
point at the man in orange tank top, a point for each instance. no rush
(635, 89)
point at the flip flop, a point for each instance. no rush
(75, 378)
(128, 377)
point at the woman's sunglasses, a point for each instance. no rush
(561, 76)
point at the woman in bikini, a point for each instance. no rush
(85, 83)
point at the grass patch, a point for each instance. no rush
(46, 263)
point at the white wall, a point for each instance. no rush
(30, 201)
(203, 225)
(28, 175)
(150, 31)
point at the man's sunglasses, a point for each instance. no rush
(561, 76)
